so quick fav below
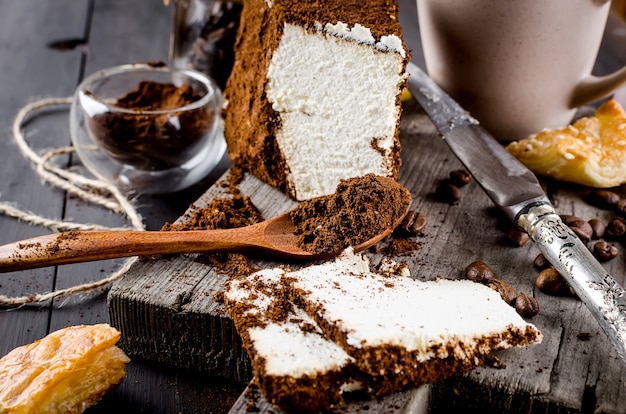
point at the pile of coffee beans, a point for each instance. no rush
(550, 281)
(595, 233)
(615, 228)
(481, 272)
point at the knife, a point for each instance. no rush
(517, 192)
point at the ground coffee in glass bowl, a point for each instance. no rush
(147, 127)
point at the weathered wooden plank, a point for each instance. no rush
(124, 32)
(558, 374)
(24, 36)
(408, 402)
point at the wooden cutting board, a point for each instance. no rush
(167, 312)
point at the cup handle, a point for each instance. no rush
(594, 88)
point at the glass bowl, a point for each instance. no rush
(148, 128)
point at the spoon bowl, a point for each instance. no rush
(275, 236)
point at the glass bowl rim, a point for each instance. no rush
(212, 88)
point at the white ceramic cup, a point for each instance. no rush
(518, 66)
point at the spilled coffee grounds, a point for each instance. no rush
(223, 213)
(360, 209)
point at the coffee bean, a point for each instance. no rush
(598, 227)
(620, 207)
(550, 281)
(479, 271)
(517, 237)
(541, 262)
(407, 221)
(419, 224)
(603, 198)
(568, 219)
(582, 229)
(615, 228)
(460, 178)
(413, 223)
(448, 192)
(505, 290)
(604, 251)
(526, 306)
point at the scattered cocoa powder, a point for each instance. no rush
(153, 141)
(235, 177)
(68, 235)
(399, 246)
(220, 213)
(493, 361)
(223, 213)
(54, 246)
(230, 264)
(360, 209)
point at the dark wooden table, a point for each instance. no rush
(113, 32)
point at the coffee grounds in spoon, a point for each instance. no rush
(149, 141)
(359, 209)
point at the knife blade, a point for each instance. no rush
(517, 192)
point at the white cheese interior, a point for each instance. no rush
(286, 347)
(374, 310)
(290, 351)
(336, 95)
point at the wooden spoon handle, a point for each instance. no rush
(77, 246)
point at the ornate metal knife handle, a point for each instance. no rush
(604, 297)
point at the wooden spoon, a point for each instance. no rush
(275, 236)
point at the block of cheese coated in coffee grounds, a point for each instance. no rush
(399, 333)
(65, 372)
(360, 209)
(315, 93)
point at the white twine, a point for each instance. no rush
(91, 190)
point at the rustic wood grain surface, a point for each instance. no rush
(162, 306)
(564, 374)
(109, 33)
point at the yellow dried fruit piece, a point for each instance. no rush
(590, 152)
(66, 372)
